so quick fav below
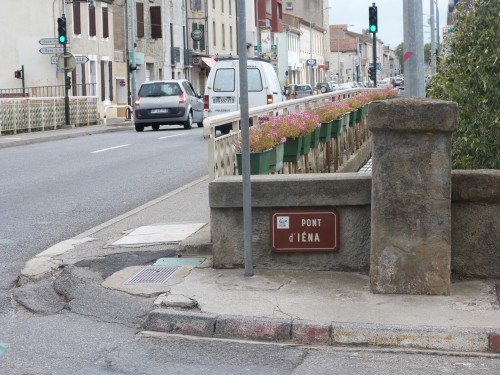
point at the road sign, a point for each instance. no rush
(257, 48)
(274, 47)
(47, 41)
(305, 230)
(53, 50)
(311, 62)
(78, 59)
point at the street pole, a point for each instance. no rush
(438, 47)
(414, 48)
(132, 49)
(374, 56)
(311, 76)
(433, 42)
(66, 86)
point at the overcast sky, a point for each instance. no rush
(390, 17)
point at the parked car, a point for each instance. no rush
(295, 91)
(222, 89)
(324, 87)
(384, 83)
(167, 102)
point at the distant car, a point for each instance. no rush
(345, 86)
(335, 86)
(167, 102)
(384, 83)
(324, 87)
(295, 91)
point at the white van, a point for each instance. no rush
(222, 90)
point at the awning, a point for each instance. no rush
(208, 62)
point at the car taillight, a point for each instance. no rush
(269, 99)
(205, 102)
(182, 98)
(137, 100)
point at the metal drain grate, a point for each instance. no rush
(152, 275)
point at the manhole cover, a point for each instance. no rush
(152, 275)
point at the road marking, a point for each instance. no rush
(107, 149)
(171, 136)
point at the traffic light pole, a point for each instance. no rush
(375, 59)
(66, 87)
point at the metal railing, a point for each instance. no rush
(39, 114)
(87, 89)
(221, 153)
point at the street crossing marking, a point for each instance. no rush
(110, 148)
(3, 347)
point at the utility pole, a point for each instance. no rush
(413, 56)
(373, 28)
(433, 39)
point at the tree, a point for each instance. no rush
(469, 74)
(399, 51)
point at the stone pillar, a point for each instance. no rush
(411, 195)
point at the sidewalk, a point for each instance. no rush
(303, 307)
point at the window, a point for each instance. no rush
(105, 22)
(224, 80)
(231, 37)
(222, 5)
(230, 8)
(214, 34)
(92, 26)
(289, 5)
(254, 80)
(223, 36)
(139, 11)
(155, 13)
(77, 25)
(106, 80)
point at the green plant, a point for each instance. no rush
(331, 111)
(469, 74)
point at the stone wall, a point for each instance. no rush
(475, 220)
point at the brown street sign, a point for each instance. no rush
(307, 231)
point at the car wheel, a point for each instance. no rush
(189, 122)
(139, 128)
(323, 90)
(200, 124)
(155, 127)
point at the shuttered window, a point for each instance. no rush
(105, 27)
(92, 28)
(202, 41)
(195, 42)
(139, 8)
(84, 83)
(110, 83)
(77, 24)
(103, 82)
(155, 13)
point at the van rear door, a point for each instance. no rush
(257, 95)
(224, 98)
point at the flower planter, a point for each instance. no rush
(315, 138)
(336, 127)
(364, 111)
(276, 160)
(325, 132)
(352, 118)
(292, 148)
(359, 115)
(306, 144)
(259, 162)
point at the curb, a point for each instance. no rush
(452, 339)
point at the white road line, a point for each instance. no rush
(107, 149)
(171, 136)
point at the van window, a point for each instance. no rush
(254, 80)
(224, 80)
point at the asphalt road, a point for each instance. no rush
(55, 190)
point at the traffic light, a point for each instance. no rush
(61, 30)
(68, 83)
(18, 74)
(372, 73)
(372, 19)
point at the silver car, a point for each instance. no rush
(168, 102)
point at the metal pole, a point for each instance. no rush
(438, 47)
(22, 81)
(311, 77)
(433, 42)
(338, 56)
(414, 48)
(127, 51)
(66, 88)
(374, 56)
(245, 138)
(132, 55)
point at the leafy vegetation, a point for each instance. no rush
(469, 74)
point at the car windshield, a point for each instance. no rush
(159, 89)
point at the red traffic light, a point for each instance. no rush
(18, 74)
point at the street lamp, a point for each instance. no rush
(311, 25)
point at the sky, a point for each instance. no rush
(390, 17)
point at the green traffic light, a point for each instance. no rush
(62, 39)
(373, 28)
